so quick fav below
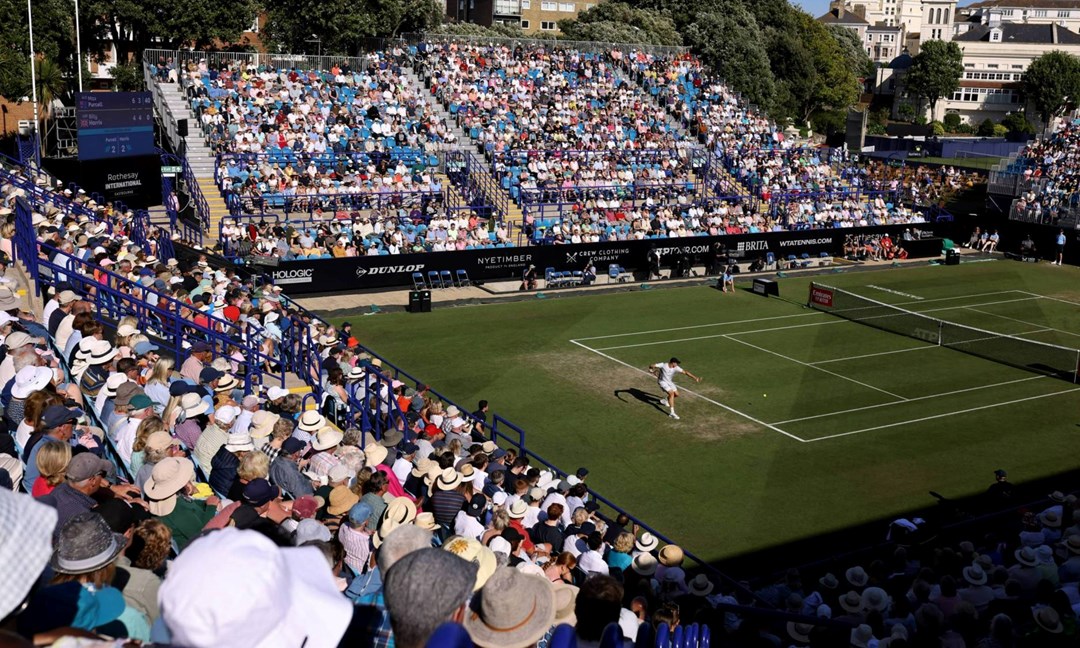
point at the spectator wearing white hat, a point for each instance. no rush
(214, 436)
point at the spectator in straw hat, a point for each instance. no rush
(416, 608)
(512, 610)
(169, 491)
(1069, 571)
(399, 512)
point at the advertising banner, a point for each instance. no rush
(360, 273)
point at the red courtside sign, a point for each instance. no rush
(821, 296)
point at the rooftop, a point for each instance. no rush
(1022, 33)
(834, 18)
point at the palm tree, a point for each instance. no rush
(51, 84)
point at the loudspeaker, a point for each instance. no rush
(181, 127)
(419, 301)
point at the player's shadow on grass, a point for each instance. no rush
(643, 396)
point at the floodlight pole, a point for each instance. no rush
(78, 44)
(33, 82)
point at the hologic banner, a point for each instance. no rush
(360, 273)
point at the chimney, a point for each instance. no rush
(840, 8)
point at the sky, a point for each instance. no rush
(813, 7)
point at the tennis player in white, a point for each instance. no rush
(665, 375)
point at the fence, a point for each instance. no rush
(582, 46)
(182, 60)
(470, 176)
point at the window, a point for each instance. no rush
(524, 23)
(526, 4)
(549, 6)
(1006, 12)
(566, 7)
(992, 66)
(1039, 13)
(507, 7)
(1064, 13)
(547, 25)
(1018, 67)
(995, 35)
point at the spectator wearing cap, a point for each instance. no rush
(168, 493)
(140, 407)
(58, 424)
(214, 436)
(403, 465)
(83, 480)
(64, 302)
(285, 469)
(121, 406)
(260, 499)
(558, 496)
(355, 536)
(198, 358)
(469, 522)
(416, 608)
(226, 462)
(84, 558)
(274, 396)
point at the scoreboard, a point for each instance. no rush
(115, 124)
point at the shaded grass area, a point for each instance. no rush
(981, 163)
(726, 480)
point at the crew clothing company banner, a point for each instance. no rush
(358, 273)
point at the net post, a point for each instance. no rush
(1076, 371)
(940, 326)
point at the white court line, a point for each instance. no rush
(1057, 299)
(692, 393)
(695, 326)
(874, 355)
(1020, 321)
(779, 317)
(781, 328)
(937, 299)
(938, 416)
(720, 335)
(910, 400)
(807, 364)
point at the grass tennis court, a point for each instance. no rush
(804, 422)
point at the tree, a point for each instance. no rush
(54, 38)
(127, 77)
(618, 22)
(935, 72)
(342, 25)
(1052, 84)
(728, 39)
(135, 25)
(1015, 122)
(851, 47)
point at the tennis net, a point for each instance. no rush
(1038, 357)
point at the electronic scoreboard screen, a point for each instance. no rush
(115, 124)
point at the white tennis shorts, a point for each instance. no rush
(668, 386)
